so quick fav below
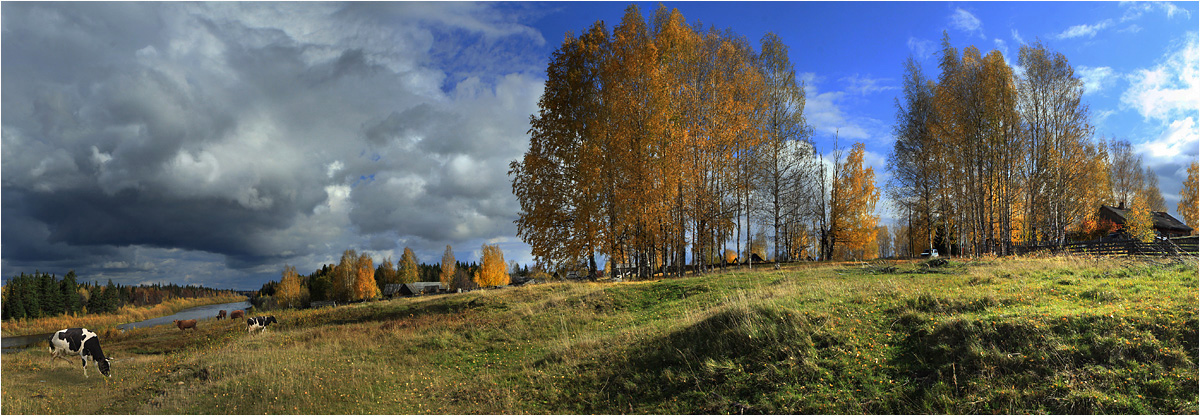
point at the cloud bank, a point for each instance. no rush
(219, 141)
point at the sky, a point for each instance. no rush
(213, 143)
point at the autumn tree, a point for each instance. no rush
(884, 239)
(1189, 204)
(344, 276)
(290, 292)
(853, 205)
(913, 163)
(1125, 172)
(447, 270)
(492, 267)
(408, 267)
(364, 279)
(386, 274)
(787, 145)
(1139, 221)
(1056, 171)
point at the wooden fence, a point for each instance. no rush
(1171, 247)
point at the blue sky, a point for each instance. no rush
(213, 143)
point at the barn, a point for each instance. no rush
(1164, 224)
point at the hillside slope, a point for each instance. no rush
(1058, 335)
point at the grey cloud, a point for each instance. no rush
(145, 139)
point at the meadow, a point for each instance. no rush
(1026, 335)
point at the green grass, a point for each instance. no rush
(1052, 335)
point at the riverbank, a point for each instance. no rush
(100, 322)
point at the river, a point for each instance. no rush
(12, 344)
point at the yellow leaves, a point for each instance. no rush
(408, 266)
(288, 294)
(1139, 222)
(493, 270)
(853, 206)
(448, 266)
(1189, 203)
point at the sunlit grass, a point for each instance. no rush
(1048, 335)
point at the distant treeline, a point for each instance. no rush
(320, 282)
(42, 294)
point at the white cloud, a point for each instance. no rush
(965, 21)
(1017, 37)
(1135, 9)
(864, 85)
(823, 111)
(1096, 79)
(1084, 30)
(1170, 90)
(922, 48)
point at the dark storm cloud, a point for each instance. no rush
(213, 142)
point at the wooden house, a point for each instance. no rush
(1164, 224)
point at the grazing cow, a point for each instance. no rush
(221, 315)
(259, 322)
(186, 324)
(79, 341)
(237, 314)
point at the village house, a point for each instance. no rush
(1164, 224)
(412, 289)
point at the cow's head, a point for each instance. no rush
(271, 319)
(103, 365)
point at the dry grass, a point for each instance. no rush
(1050, 335)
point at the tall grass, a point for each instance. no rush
(1050, 335)
(98, 322)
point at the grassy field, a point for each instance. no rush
(1054, 335)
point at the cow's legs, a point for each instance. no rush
(85, 360)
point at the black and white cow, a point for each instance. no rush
(82, 342)
(259, 322)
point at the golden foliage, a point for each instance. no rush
(448, 266)
(853, 205)
(1139, 222)
(408, 267)
(493, 270)
(289, 294)
(364, 278)
(1189, 203)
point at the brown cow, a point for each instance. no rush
(237, 314)
(221, 315)
(185, 324)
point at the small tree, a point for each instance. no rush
(364, 278)
(1139, 222)
(448, 263)
(288, 294)
(492, 272)
(408, 267)
(1189, 203)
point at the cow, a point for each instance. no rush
(237, 314)
(221, 315)
(260, 323)
(79, 341)
(186, 324)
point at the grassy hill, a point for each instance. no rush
(1057, 335)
